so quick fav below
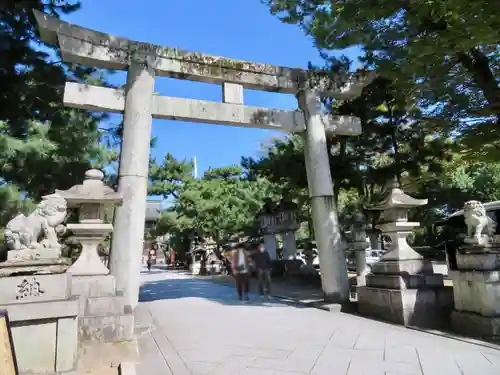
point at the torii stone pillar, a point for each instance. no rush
(133, 180)
(326, 226)
(142, 61)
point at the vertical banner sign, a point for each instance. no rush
(8, 363)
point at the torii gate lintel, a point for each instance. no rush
(138, 102)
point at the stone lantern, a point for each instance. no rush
(402, 286)
(394, 222)
(91, 199)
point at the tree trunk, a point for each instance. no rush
(395, 145)
(478, 65)
(220, 256)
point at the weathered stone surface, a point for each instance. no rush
(129, 218)
(50, 328)
(94, 354)
(402, 287)
(90, 236)
(393, 267)
(479, 261)
(103, 306)
(93, 48)
(93, 286)
(42, 310)
(419, 307)
(127, 368)
(477, 292)
(477, 223)
(404, 281)
(92, 191)
(67, 344)
(113, 100)
(42, 253)
(333, 266)
(91, 198)
(232, 93)
(32, 267)
(474, 325)
(34, 288)
(22, 233)
(107, 328)
(43, 337)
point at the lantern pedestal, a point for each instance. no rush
(90, 236)
(402, 287)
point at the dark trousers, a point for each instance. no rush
(242, 284)
(264, 281)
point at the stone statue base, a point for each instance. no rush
(37, 296)
(32, 267)
(44, 253)
(476, 286)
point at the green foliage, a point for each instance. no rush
(221, 204)
(219, 207)
(442, 54)
(167, 178)
(465, 180)
(224, 173)
(43, 145)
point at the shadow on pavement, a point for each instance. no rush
(194, 288)
(152, 272)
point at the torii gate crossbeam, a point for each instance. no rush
(139, 104)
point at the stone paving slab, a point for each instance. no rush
(199, 327)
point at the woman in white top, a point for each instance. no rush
(240, 267)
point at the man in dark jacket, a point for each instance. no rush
(263, 265)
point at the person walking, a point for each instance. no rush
(263, 265)
(149, 262)
(241, 268)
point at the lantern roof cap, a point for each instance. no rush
(91, 191)
(396, 198)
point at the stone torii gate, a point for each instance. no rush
(139, 104)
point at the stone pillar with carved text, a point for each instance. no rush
(129, 221)
(333, 266)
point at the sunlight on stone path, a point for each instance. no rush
(199, 327)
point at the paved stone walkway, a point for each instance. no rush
(192, 326)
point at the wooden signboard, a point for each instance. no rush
(8, 363)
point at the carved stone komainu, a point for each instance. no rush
(22, 233)
(477, 221)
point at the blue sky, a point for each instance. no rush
(242, 29)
